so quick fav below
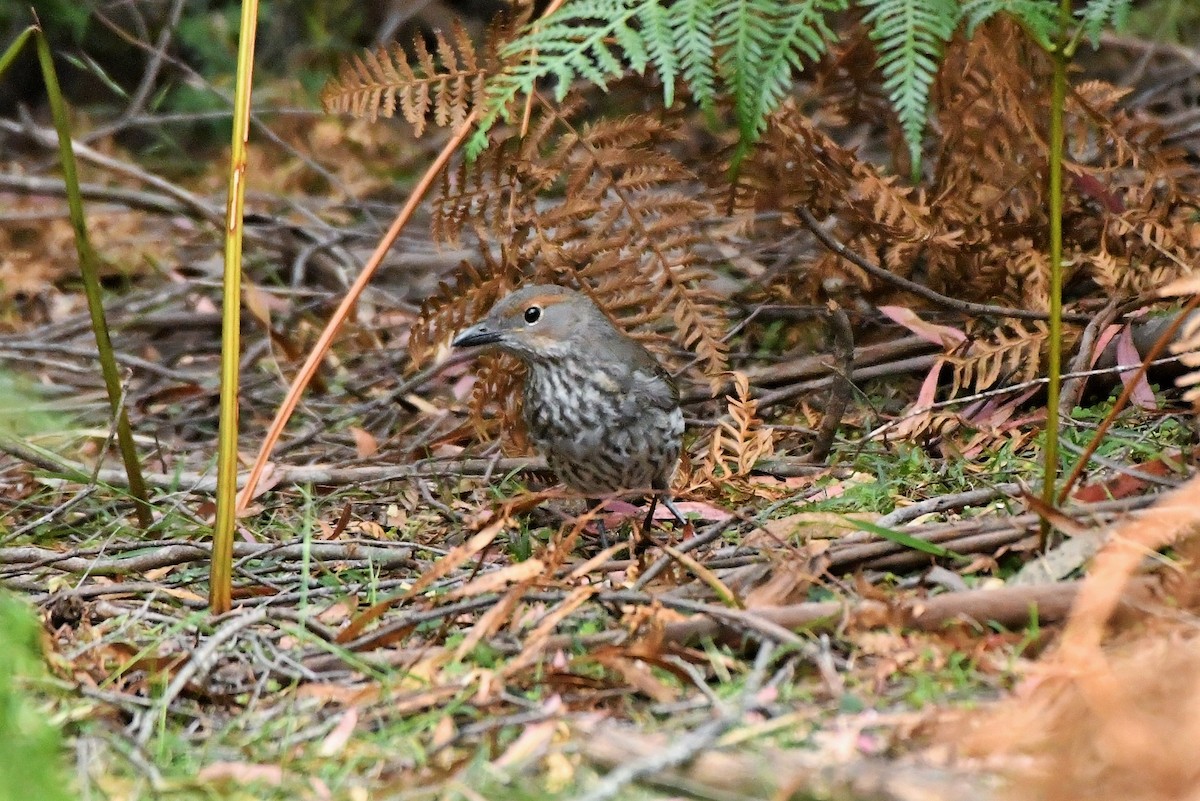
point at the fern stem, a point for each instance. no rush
(1058, 98)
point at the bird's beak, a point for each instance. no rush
(479, 334)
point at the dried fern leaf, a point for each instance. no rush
(1008, 354)
(442, 86)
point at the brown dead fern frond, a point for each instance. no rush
(797, 165)
(460, 303)
(737, 442)
(605, 207)
(1006, 354)
(496, 401)
(848, 84)
(442, 86)
(1026, 274)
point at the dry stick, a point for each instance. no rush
(1011, 607)
(31, 557)
(1160, 345)
(921, 290)
(943, 503)
(130, 198)
(962, 535)
(199, 662)
(302, 474)
(686, 746)
(210, 212)
(772, 772)
(870, 552)
(1072, 388)
(915, 364)
(984, 544)
(842, 389)
(309, 369)
(813, 366)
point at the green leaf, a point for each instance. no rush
(660, 45)
(692, 25)
(762, 44)
(33, 747)
(906, 540)
(749, 49)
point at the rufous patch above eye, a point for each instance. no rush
(542, 302)
(545, 300)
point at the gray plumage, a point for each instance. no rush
(597, 404)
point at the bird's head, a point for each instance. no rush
(538, 323)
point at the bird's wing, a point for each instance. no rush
(647, 381)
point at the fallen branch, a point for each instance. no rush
(1011, 607)
(766, 772)
(302, 474)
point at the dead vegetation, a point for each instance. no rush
(416, 608)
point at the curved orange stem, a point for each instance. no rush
(309, 369)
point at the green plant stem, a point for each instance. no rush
(221, 570)
(1058, 98)
(89, 267)
(14, 49)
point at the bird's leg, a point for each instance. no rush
(598, 507)
(649, 521)
(642, 538)
(670, 504)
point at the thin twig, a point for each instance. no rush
(199, 663)
(965, 306)
(842, 389)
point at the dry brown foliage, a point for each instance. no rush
(441, 87)
(737, 442)
(614, 208)
(977, 228)
(1115, 721)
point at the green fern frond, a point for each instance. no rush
(801, 32)
(743, 33)
(654, 22)
(1039, 18)
(749, 48)
(692, 25)
(911, 36)
(589, 39)
(762, 44)
(1099, 14)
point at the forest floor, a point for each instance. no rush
(419, 614)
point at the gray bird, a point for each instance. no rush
(600, 408)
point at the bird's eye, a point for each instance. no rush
(533, 314)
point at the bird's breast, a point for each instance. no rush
(596, 436)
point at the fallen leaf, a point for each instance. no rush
(942, 335)
(241, 773)
(336, 740)
(364, 443)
